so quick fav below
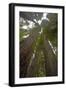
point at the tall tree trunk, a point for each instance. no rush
(26, 53)
(51, 59)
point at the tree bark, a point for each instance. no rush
(26, 53)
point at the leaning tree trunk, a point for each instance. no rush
(51, 59)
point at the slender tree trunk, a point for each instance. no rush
(51, 59)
